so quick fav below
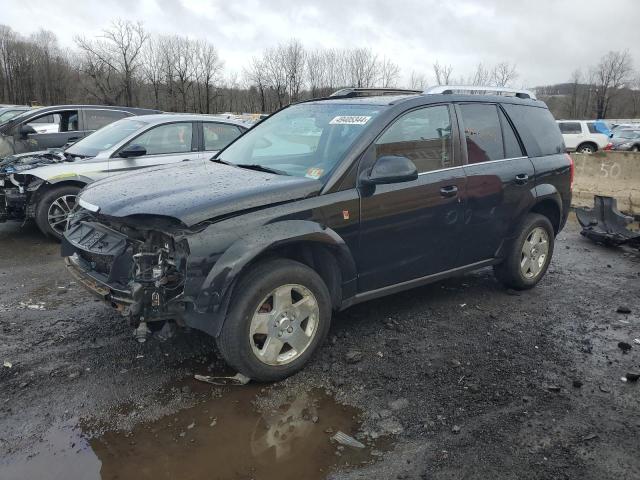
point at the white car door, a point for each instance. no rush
(572, 134)
(160, 145)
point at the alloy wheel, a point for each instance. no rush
(58, 213)
(284, 324)
(535, 251)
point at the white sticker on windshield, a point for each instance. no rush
(350, 120)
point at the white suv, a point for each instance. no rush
(581, 136)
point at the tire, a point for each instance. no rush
(515, 271)
(55, 204)
(587, 148)
(254, 297)
(635, 148)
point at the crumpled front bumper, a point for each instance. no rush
(122, 299)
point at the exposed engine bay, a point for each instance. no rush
(140, 272)
(17, 186)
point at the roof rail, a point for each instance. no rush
(480, 90)
(372, 92)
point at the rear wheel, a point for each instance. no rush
(53, 209)
(280, 314)
(635, 148)
(587, 148)
(528, 256)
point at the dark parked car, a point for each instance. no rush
(323, 205)
(53, 127)
(626, 140)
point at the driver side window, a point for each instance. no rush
(165, 139)
(423, 136)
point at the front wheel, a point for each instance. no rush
(53, 209)
(280, 315)
(529, 255)
(635, 148)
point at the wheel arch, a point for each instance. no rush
(549, 207)
(307, 242)
(588, 142)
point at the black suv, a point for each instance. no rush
(53, 127)
(323, 205)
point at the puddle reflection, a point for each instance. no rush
(221, 438)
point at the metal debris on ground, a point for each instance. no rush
(346, 440)
(605, 224)
(237, 379)
(7, 364)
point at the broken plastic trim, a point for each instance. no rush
(237, 379)
(605, 224)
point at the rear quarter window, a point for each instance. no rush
(537, 128)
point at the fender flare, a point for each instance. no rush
(546, 191)
(217, 288)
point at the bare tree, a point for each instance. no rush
(256, 77)
(389, 73)
(612, 72)
(418, 81)
(117, 50)
(207, 70)
(363, 67)
(503, 74)
(443, 73)
(153, 67)
(293, 57)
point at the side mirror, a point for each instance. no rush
(26, 130)
(133, 151)
(391, 169)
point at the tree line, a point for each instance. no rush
(126, 65)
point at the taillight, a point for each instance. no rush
(572, 169)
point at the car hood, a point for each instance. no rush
(193, 192)
(20, 162)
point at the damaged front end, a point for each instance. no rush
(17, 186)
(138, 271)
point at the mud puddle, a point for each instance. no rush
(240, 434)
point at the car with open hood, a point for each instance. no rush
(320, 206)
(44, 185)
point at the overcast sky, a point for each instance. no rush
(546, 39)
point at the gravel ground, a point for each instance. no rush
(461, 378)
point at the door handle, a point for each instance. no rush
(449, 191)
(522, 178)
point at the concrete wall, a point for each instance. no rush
(615, 174)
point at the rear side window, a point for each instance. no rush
(572, 128)
(511, 145)
(96, 119)
(482, 132)
(218, 135)
(537, 129)
(423, 136)
(166, 139)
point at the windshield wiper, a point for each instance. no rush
(223, 162)
(261, 168)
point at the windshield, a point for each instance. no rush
(7, 114)
(106, 137)
(629, 134)
(305, 140)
